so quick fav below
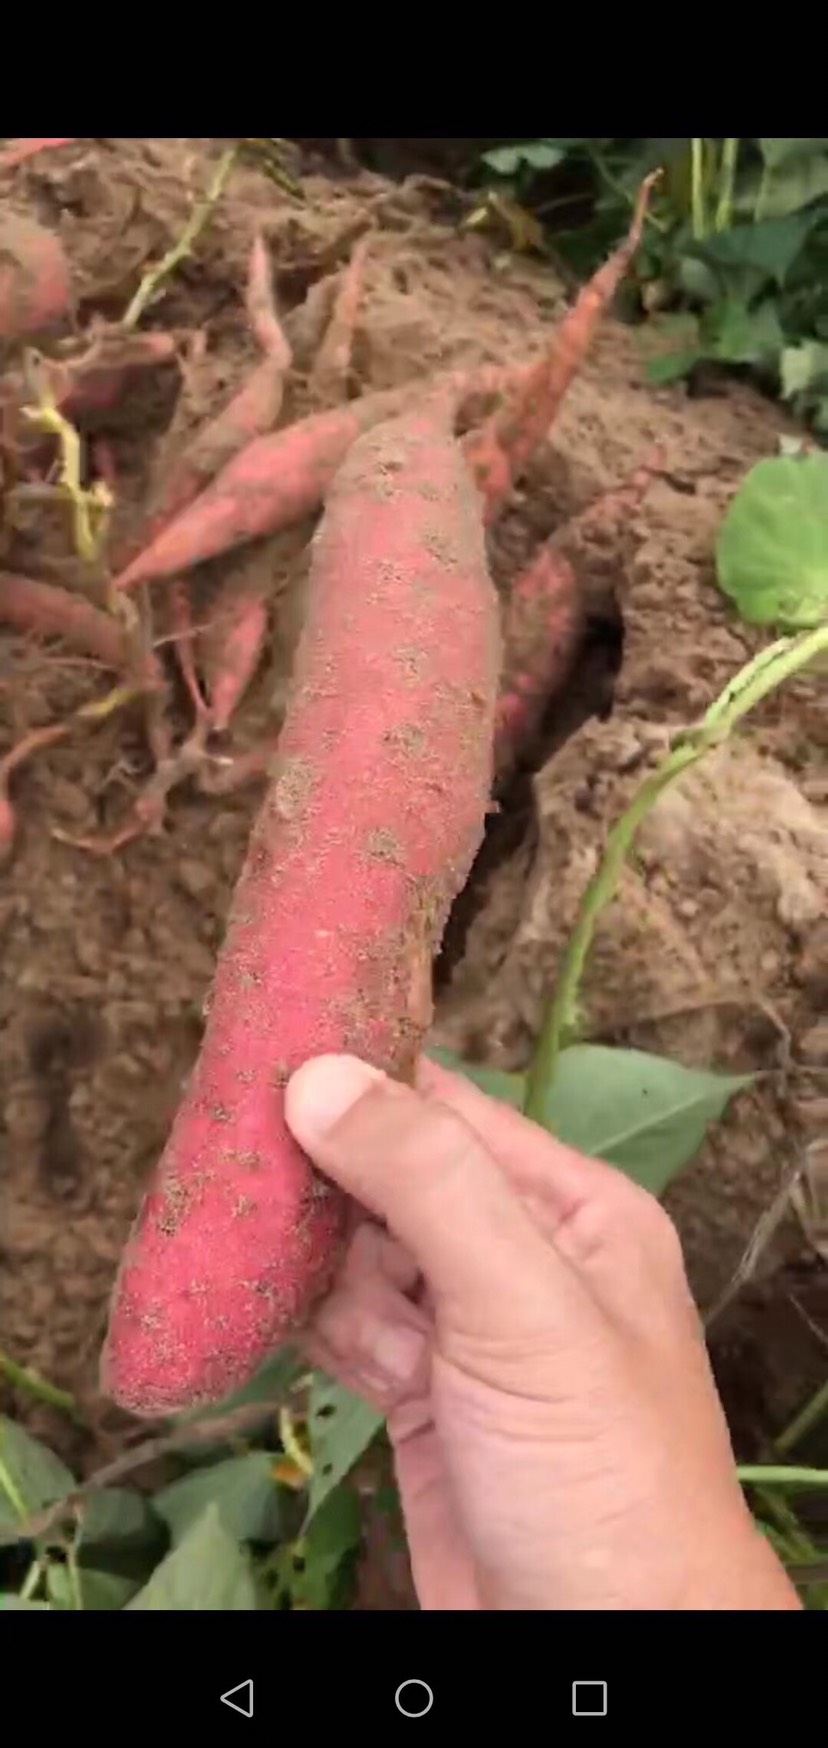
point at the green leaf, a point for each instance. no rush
(207, 1570)
(777, 152)
(798, 183)
(758, 252)
(643, 1113)
(538, 154)
(803, 367)
(772, 548)
(116, 1517)
(31, 1476)
(332, 1537)
(509, 1088)
(8, 1601)
(242, 1489)
(697, 280)
(341, 1427)
(106, 1590)
(666, 367)
(98, 1590)
(744, 336)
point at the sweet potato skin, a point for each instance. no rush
(44, 610)
(35, 287)
(276, 480)
(543, 627)
(367, 833)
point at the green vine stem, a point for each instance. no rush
(806, 1420)
(768, 670)
(763, 1475)
(697, 215)
(724, 210)
(153, 279)
(23, 1378)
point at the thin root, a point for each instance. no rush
(96, 711)
(150, 809)
(261, 306)
(329, 377)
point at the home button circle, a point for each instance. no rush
(414, 1699)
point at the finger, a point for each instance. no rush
(536, 1162)
(367, 1362)
(373, 1254)
(419, 1166)
(374, 1329)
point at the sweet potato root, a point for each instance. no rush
(367, 832)
(232, 649)
(329, 376)
(544, 620)
(278, 479)
(99, 380)
(251, 412)
(499, 451)
(35, 288)
(541, 633)
(44, 610)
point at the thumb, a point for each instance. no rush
(419, 1166)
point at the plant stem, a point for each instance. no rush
(762, 675)
(762, 195)
(697, 189)
(767, 1475)
(23, 1378)
(9, 1486)
(724, 210)
(195, 224)
(804, 1422)
(34, 1577)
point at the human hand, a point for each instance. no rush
(526, 1326)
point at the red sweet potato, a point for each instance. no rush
(100, 379)
(19, 151)
(541, 633)
(43, 610)
(251, 412)
(231, 652)
(35, 288)
(500, 450)
(544, 620)
(367, 833)
(329, 376)
(280, 478)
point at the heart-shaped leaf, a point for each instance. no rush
(772, 548)
(643, 1113)
(206, 1570)
(242, 1489)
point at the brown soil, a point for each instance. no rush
(716, 950)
